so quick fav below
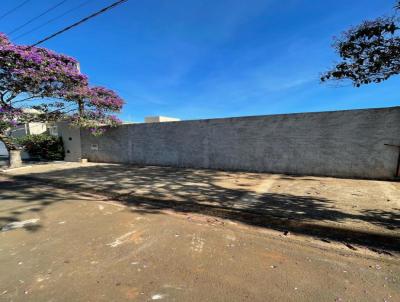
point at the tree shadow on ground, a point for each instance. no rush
(27, 197)
(19, 199)
(156, 189)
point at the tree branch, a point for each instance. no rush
(20, 101)
(12, 96)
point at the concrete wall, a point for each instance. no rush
(341, 143)
(71, 137)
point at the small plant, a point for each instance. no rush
(43, 146)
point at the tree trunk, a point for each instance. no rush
(14, 151)
(15, 160)
(81, 108)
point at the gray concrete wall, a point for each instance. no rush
(341, 143)
(71, 137)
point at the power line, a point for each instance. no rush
(14, 9)
(51, 20)
(37, 17)
(80, 22)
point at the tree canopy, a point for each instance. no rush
(37, 84)
(370, 52)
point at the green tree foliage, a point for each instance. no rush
(43, 146)
(369, 52)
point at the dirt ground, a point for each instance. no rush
(355, 213)
(101, 232)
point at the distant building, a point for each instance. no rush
(160, 119)
(28, 129)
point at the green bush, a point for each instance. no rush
(43, 146)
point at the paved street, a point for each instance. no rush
(358, 213)
(62, 245)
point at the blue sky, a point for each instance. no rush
(214, 58)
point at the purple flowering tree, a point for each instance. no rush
(38, 85)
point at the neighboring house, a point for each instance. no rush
(23, 130)
(160, 119)
(28, 129)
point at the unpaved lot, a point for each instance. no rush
(356, 213)
(72, 245)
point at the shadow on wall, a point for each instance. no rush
(156, 189)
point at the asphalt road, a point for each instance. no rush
(60, 245)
